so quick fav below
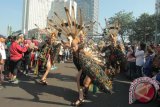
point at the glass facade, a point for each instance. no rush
(90, 12)
(157, 13)
(58, 7)
(157, 6)
(35, 12)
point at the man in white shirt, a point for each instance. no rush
(139, 54)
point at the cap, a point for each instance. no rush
(1, 36)
(20, 34)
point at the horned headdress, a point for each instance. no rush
(71, 26)
(113, 32)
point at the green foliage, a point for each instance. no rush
(140, 29)
(144, 28)
(125, 19)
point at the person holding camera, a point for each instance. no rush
(16, 54)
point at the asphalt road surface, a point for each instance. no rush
(61, 90)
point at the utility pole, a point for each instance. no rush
(9, 30)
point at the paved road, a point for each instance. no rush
(61, 90)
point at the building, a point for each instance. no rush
(157, 13)
(58, 7)
(157, 6)
(35, 12)
(90, 12)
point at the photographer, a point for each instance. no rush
(16, 54)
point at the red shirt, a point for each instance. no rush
(16, 51)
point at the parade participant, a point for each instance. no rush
(82, 58)
(47, 53)
(83, 81)
(16, 54)
(114, 52)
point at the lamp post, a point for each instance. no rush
(38, 31)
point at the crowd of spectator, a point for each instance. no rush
(18, 55)
(140, 60)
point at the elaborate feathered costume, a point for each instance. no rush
(47, 52)
(87, 59)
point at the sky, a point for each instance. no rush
(11, 11)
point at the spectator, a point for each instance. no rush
(32, 47)
(16, 54)
(3, 56)
(61, 54)
(131, 62)
(147, 67)
(139, 54)
(66, 54)
(27, 61)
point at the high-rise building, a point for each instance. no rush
(90, 12)
(157, 14)
(58, 7)
(157, 6)
(35, 12)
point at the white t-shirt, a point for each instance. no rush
(139, 54)
(36, 55)
(2, 50)
(61, 50)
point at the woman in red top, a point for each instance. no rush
(16, 54)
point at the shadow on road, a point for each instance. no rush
(36, 89)
(62, 77)
(117, 99)
(70, 67)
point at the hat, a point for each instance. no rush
(1, 36)
(20, 34)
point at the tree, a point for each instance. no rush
(144, 28)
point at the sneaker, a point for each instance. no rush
(12, 78)
(15, 81)
(26, 74)
(53, 68)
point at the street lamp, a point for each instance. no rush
(38, 31)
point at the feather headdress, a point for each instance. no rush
(71, 27)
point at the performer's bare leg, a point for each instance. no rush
(80, 89)
(43, 79)
(87, 81)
